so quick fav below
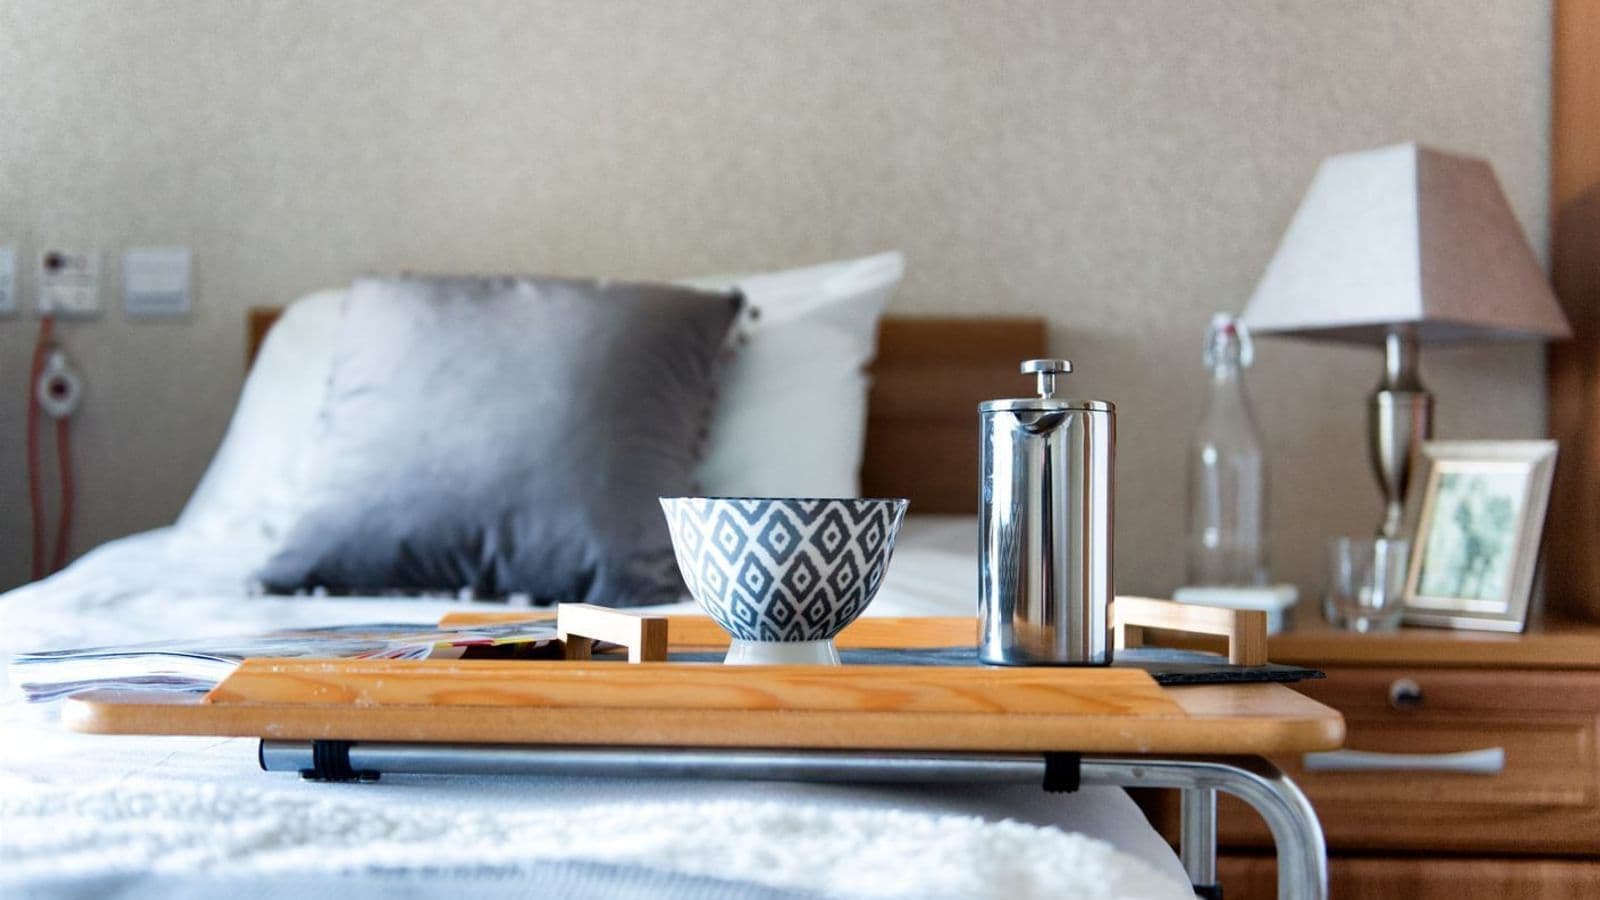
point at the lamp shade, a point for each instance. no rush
(1405, 235)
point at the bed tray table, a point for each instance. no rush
(645, 718)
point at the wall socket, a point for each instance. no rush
(8, 280)
(69, 284)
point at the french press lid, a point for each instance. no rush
(1048, 371)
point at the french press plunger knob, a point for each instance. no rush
(1047, 370)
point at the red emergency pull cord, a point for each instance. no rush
(35, 486)
(45, 559)
(58, 559)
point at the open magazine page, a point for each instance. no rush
(199, 665)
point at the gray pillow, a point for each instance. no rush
(507, 435)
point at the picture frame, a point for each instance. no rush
(1475, 518)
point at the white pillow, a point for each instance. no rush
(791, 409)
(251, 490)
(791, 416)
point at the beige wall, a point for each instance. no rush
(1122, 167)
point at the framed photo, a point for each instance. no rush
(1475, 516)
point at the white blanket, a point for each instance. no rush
(86, 807)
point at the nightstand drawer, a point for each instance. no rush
(1531, 785)
(1252, 877)
(1512, 763)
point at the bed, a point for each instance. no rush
(172, 817)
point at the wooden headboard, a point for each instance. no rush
(922, 419)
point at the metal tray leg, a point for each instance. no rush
(1302, 852)
(1197, 841)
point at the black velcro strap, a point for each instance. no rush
(1208, 891)
(330, 761)
(1062, 772)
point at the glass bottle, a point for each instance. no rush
(1227, 473)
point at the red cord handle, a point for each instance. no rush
(45, 560)
(35, 485)
(58, 559)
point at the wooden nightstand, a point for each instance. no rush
(1529, 830)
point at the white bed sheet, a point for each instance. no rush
(167, 583)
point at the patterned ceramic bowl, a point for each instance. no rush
(783, 576)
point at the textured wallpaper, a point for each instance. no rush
(1124, 168)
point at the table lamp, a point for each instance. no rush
(1398, 246)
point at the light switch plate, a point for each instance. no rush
(155, 282)
(8, 280)
(69, 284)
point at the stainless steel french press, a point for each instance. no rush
(1046, 472)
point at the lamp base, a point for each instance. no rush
(1399, 419)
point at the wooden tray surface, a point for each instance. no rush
(710, 705)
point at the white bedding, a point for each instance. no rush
(76, 808)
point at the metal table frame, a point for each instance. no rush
(1296, 832)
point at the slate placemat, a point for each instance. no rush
(1165, 665)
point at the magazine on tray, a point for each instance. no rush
(200, 664)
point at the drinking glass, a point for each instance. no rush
(1366, 577)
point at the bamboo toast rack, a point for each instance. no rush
(650, 702)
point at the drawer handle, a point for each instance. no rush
(1488, 761)
(1405, 694)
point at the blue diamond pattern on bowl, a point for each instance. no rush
(744, 612)
(779, 537)
(780, 569)
(800, 577)
(754, 577)
(831, 535)
(808, 510)
(729, 537)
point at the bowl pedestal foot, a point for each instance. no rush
(782, 653)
